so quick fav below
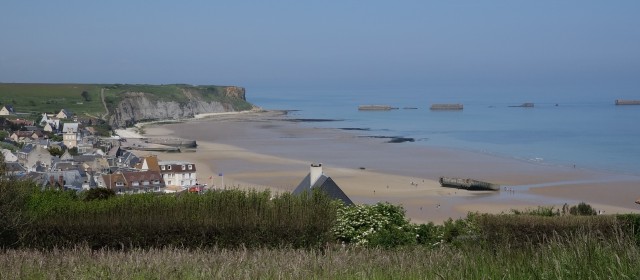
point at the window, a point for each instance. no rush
(145, 183)
(169, 182)
(119, 184)
(168, 167)
(162, 167)
(135, 184)
(156, 182)
(182, 167)
(190, 166)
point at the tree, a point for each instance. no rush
(73, 151)
(55, 151)
(86, 96)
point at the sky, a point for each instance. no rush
(345, 44)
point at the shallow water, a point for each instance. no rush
(577, 130)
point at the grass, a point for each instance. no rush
(582, 257)
(39, 98)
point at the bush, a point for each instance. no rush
(98, 193)
(582, 209)
(381, 225)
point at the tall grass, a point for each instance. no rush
(576, 257)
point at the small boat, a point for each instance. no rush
(468, 184)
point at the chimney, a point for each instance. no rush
(61, 181)
(51, 182)
(315, 173)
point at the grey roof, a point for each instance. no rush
(70, 128)
(71, 179)
(325, 184)
(27, 148)
(10, 108)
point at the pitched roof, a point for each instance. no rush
(70, 128)
(9, 108)
(151, 161)
(324, 184)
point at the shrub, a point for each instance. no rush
(98, 193)
(582, 209)
(382, 224)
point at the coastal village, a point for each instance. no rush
(64, 151)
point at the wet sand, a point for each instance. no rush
(267, 150)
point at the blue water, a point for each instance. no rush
(586, 130)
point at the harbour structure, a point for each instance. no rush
(376, 108)
(524, 105)
(627, 102)
(468, 184)
(447, 106)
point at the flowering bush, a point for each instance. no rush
(381, 224)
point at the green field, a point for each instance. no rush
(39, 98)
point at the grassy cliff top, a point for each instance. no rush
(85, 99)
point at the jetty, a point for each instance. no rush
(468, 184)
(447, 106)
(376, 108)
(524, 105)
(627, 102)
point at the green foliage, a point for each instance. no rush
(381, 224)
(73, 151)
(540, 211)
(98, 194)
(13, 199)
(582, 209)
(55, 151)
(3, 134)
(229, 218)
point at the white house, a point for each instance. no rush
(178, 173)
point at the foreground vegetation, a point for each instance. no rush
(580, 257)
(247, 235)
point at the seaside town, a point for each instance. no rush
(64, 151)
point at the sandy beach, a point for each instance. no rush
(269, 150)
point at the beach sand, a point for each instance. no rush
(268, 150)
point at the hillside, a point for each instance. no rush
(124, 104)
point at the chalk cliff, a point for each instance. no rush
(133, 106)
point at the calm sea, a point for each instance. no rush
(586, 130)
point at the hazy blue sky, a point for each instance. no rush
(333, 44)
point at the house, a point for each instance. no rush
(148, 163)
(63, 180)
(21, 122)
(64, 114)
(133, 182)
(71, 135)
(15, 169)
(178, 173)
(317, 180)
(31, 154)
(8, 156)
(7, 110)
(25, 135)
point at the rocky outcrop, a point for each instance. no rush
(136, 107)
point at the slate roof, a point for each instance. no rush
(325, 184)
(70, 128)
